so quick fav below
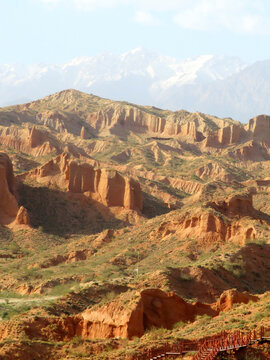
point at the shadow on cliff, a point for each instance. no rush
(253, 264)
(153, 206)
(60, 213)
(247, 270)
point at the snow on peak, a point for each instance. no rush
(136, 75)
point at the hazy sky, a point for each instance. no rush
(55, 31)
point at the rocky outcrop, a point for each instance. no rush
(259, 128)
(207, 228)
(8, 202)
(123, 157)
(62, 122)
(31, 141)
(215, 171)
(230, 297)
(84, 134)
(70, 257)
(251, 151)
(225, 136)
(163, 309)
(105, 186)
(36, 137)
(55, 120)
(237, 205)
(9, 213)
(151, 308)
(22, 217)
(129, 314)
(118, 119)
(113, 320)
(190, 187)
(103, 238)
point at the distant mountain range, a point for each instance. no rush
(220, 85)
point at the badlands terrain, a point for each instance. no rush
(124, 227)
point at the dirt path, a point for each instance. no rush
(26, 300)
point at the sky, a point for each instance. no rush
(56, 31)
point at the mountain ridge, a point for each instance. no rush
(110, 76)
(113, 212)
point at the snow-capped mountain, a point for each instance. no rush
(205, 83)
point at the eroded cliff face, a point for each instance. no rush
(207, 229)
(119, 119)
(252, 139)
(113, 320)
(10, 214)
(152, 308)
(129, 314)
(251, 151)
(232, 220)
(28, 140)
(235, 206)
(259, 128)
(105, 186)
(225, 136)
(8, 202)
(215, 171)
(230, 297)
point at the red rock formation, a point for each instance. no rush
(22, 217)
(259, 128)
(118, 119)
(36, 137)
(190, 187)
(151, 308)
(237, 205)
(128, 315)
(113, 320)
(252, 151)
(226, 136)
(162, 309)
(230, 297)
(131, 118)
(31, 141)
(83, 133)
(8, 202)
(72, 256)
(108, 187)
(55, 120)
(207, 228)
(9, 213)
(214, 171)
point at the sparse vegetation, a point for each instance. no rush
(81, 254)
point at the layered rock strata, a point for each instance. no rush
(105, 186)
(28, 140)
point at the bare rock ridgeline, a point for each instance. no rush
(85, 116)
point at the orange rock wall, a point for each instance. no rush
(31, 141)
(8, 202)
(138, 121)
(108, 187)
